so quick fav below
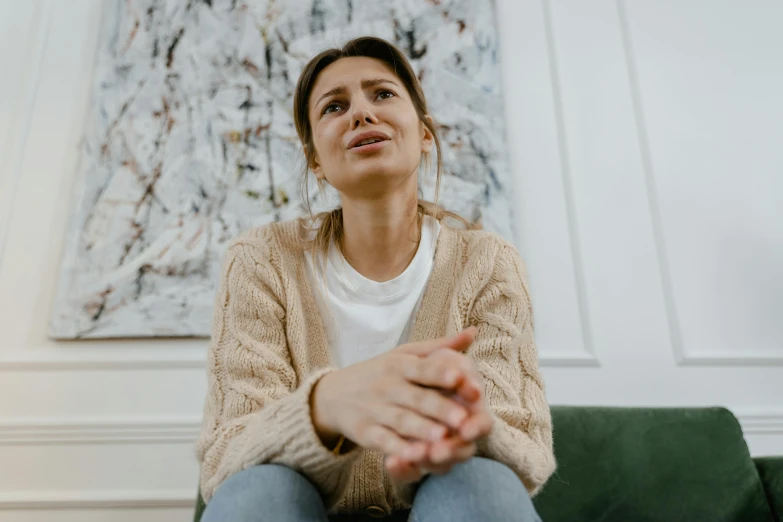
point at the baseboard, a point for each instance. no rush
(56, 431)
(760, 422)
(136, 499)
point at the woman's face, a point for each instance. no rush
(368, 138)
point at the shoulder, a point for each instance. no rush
(269, 241)
(484, 248)
(275, 247)
(487, 259)
(490, 282)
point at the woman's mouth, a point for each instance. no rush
(369, 145)
(368, 141)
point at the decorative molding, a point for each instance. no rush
(107, 499)
(682, 355)
(761, 422)
(185, 430)
(128, 430)
(195, 359)
(14, 149)
(675, 331)
(589, 358)
(568, 359)
(716, 358)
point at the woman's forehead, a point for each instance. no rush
(351, 72)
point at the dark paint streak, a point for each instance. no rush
(251, 67)
(102, 306)
(409, 43)
(317, 17)
(245, 106)
(268, 144)
(150, 15)
(123, 110)
(173, 47)
(268, 61)
(283, 41)
(139, 281)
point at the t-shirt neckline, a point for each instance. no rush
(419, 267)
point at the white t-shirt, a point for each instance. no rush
(364, 318)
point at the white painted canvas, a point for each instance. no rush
(190, 139)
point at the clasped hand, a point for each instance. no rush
(421, 404)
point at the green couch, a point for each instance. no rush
(655, 464)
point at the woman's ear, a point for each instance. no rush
(427, 138)
(313, 163)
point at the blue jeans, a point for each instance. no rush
(477, 490)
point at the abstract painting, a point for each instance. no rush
(189, 140)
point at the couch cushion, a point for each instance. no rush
(651, 464)
(771, 473)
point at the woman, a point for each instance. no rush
(372, 360)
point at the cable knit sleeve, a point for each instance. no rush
(256, 411)
(505, 354)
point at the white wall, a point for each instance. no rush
(646, 140)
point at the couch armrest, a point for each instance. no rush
(771, 473)
(200, 507)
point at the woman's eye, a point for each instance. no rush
(385, 94)
(331, 108)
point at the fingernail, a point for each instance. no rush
(451, 377)
(457, 416)
(437, 433)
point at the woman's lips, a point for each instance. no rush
(370, 147)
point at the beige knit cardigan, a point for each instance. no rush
(269, 348)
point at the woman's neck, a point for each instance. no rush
(380, 237)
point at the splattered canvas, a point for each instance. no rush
(189, 140)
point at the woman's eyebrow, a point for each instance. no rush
(366, 84)
(333, 92)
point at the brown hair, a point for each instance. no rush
(331, 227)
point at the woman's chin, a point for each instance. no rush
(372, 180)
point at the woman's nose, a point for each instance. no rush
(362, 115)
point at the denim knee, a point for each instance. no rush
(267, 492)
(478, 489)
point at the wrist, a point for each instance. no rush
(320, 412)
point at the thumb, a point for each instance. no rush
(459, 342)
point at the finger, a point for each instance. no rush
(445, 369)
(469, 387)
(410, 472)
(468, 391)
(460, 342)
(387, 441)
(402, 470)
(410, 424)
(435, 372)
(430, 403)
(476, 426)
(451, 451)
